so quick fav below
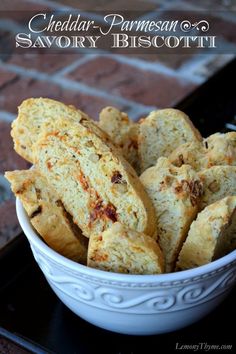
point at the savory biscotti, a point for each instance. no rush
(211, 235)
(95, 183)
(216, 150)
(47, 214)
(123, 133)
(122, 250)
(218, 182)
(161, 132)
(32, 113)
(175, 193)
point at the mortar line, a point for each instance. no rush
(72, 85)
(67, 69)
(6, 116)
(154, 67)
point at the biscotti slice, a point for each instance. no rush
(95, 183)
(192, 154)
(122, 250)
(47, 214)
(175, 193)
(218, 182)
(211, 235)
(216, 150)
(32, 113)
(221, 149)
(123, 133)
(163, 131)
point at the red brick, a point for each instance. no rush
(149, 88)
(6, 77)
(11, 96)
(217, 26)
(6, 44)
(22, 5)
(107, 5)
(223, 28)
(90, 104)
(9, 160)
(49, 63)
(20, 10)
(169, 60)
(214, 4)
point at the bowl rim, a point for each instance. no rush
(197, 272)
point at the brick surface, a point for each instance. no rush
(172, 61)
(210, 67)
(22, 5)
(11, 96)
(223, 28)
(90, 104)
(217, 26)
(49, 63)
(108, 5)
(5, 44)
(20, 10)
(214, 4)
(6, 77)
(124, 80)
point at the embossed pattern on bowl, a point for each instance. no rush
(133, 304)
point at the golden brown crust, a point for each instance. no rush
(163, 131)
(218, 182)
(47, 214)
(175, 193)
(216, 150)
(123, 133)
(32, 113)
(122, 250)
(211, 235)
(79, 151)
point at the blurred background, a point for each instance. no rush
(134, 83)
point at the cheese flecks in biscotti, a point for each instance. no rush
(96, 184)
(123, 133)
(175, 193)
(211, 235)
(161, 132)
(217, 150)
(32, 114)
(122, 250)
(218, 182)
(47, 214)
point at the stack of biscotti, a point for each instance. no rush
(152, 137)
(91, 184)
(47, 214)
(181, 172)
(85, 199)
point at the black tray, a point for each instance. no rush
(33, 317)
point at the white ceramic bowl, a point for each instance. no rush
(133, 304)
